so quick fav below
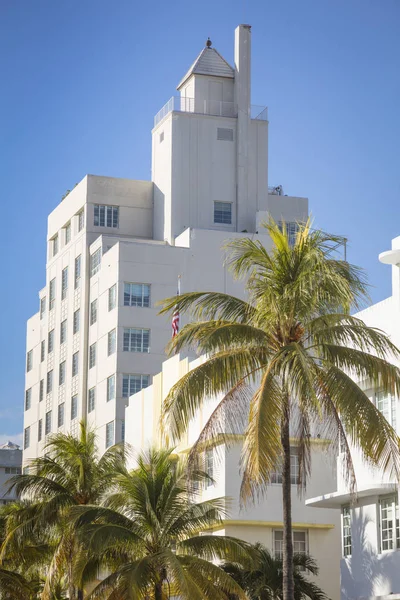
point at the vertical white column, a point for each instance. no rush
(242, 101)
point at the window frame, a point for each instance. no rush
(49, 381)
(77, 270)
(63, 332)
(222, 212)
(52, 293)
(391, 413)
(93, 312)
(126, 383)
(92, 355)
(67, 233)
(111, 387)
(112, 342)
(76, 322)
(110, 439)
(106, 215)
(81, 219)
(128, 331)
(40, 430)
(64, 283)
(28, 398)
(42, 307)
(29, 361)
(95, 262)
(54, 245)
(346, 533)
(50, 341)
(393, 501)
(91, 399)
(112, 297)
(27, 437)
(47, 422)
(74, 407)
(60, 415)
(41, 390)
(62, 372)
(75, 364)
(129, 295)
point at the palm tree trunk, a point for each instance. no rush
(287, 558)
(158, 595)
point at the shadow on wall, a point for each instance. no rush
(366, 573)
(159, 215)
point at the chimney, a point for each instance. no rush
(242, 67)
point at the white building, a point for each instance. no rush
(316, 532)
(10, 465)
(370, 564)
(116, 247)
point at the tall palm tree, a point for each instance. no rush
(264, 580)
(146, 536)
(285, 361)
(70, 473)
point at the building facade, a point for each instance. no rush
(314, 531)
(115, 247)
(370, 563)
(10, 465)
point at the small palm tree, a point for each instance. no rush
(146, 536)
(264, 580)
(70, 473)
(285, 361)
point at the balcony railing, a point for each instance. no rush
(214, 108)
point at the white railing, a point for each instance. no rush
(214, 108)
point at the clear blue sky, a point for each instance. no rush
(82, 79)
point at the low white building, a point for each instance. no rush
(316, 532)
(10, 465)
(370, 564)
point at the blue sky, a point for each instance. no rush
(82, 80)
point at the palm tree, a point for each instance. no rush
(264, 581)
(285, 361)
(146, 536)
(70, 473)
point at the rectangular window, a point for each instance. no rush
(299, 543)
(224, 134)
(137, 294)
(111, 342)
(42, 350)
(67, 232)
(77, 271)
(91, 399)
(47, 426)
(61, 377)
(54, 244)
(64, 283)
(95, 262)
(93, 312)
(81, 220)
(92, 356)
(106, 216)
(77, 315)
(123, 431)
(389, 523)
(13, 470)
(223, 213)
(346, 530)
(387, 405)
(112, 297)
(111, 388)
(28, 399)
(49, 382)
(276, 477)
(52, 293)
(27, 437)
(40, 427)
(209, 464)
(109, 434)
(63, 331)
(60, 415)
(131, 384)
(50, 341)
(74, 407)
(29, 360)
(136, 340)
(41, 390)
(292, 230)
(42, 307)
(75, 364)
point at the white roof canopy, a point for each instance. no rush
(209, 62)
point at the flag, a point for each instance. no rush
(175, 315)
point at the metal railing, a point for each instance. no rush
(214, 108)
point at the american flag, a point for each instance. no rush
(175, 315)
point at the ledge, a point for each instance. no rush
(337, 499)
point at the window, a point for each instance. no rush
(137, 294)
(29, 361)
(223, 213)
(123, 431)
(39, 431)
(67, 231)
(93, 312)
(47, 427)
(299, 543)
(75, 364)
(112, 297)
(224, 134)
(209, 464)
(60, 415)
(136, 340)
(292, 230)
(109, 434)
(77, 315)
(13, 470)
(50, 341)
(54, 244)
(49, 382)
(105, 216)
(111, 342)
(111, 388)
(386, 404)
(276, 477)
(52, 293)
(389, 523)
(74, 407)
(64, 283)
(77, 271)
(27, 437)
(92, 355)
(63, 331)
(41, 390)
(42, 350)
(91, 399)
(28, 399)
(346, 530)
(42, 306)
(131, 384)
(95, 262)
(81, 220)
(61, 377)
